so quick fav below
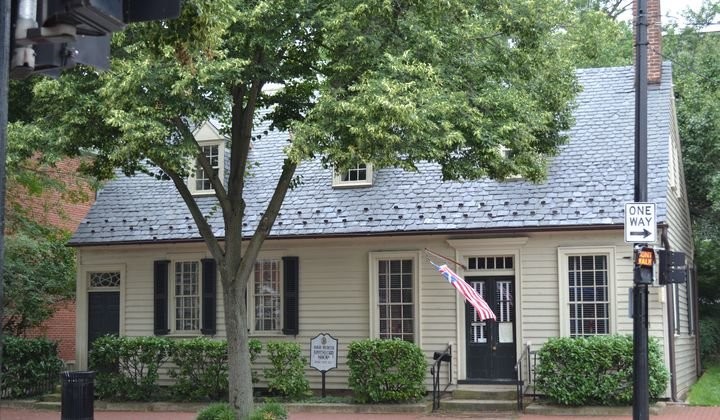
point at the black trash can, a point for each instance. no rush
(78, 393)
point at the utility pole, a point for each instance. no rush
(641, 393)
(4, 88)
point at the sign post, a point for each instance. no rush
(323, 355)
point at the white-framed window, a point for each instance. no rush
(199, 180)
(394, 294)
(586, 284)
(266, 297)
(103, 280)
(186, 296)
(360, 175)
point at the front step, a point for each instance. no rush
(485, 392)
(479, 406)
(479, 399)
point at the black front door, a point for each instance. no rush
(490, 345)
(103, 314)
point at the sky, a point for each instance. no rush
(675, 7)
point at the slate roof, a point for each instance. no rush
(587, 186)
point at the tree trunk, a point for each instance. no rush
(239, 369)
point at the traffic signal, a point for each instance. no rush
(51, 35)
(644, 265)
(673, 267)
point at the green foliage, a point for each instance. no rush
(30, 366)
(39, 272)
(286, 374)
(127, 367)
(696, 66)
(595, 370)
(217, 411)
(270, 411)
(201, 371)
(706, 391)
(593, 38)
(709, 338)
(390, 83)
(386, 371)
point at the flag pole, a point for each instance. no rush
(427, 251)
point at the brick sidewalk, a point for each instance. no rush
(669, 413)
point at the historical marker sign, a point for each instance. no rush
(640, 224)
(323, 352)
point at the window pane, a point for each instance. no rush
(187, 298)
(588, 295)
(267, 295)
(395, 297)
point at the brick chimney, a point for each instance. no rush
(654, 32)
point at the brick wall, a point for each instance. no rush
(64, 210)
(61, 328)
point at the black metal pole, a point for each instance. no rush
(5, 22)
(641, 394)
(323, 384)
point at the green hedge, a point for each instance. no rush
(286, 374)
(128, 367)
(595, 370)
(386, 371)
(30, 366)
(201, 371)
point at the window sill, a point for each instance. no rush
(265, 334)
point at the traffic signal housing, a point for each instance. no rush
(673, 267)
(644, 265)
(51, 35)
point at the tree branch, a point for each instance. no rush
(202, 224)
(268, 219)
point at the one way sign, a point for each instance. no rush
(640, 225)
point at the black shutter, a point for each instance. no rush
(160, 301)
(209, 285)
(291, 304)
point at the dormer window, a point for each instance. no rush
(212, 145)
(202, 179)
(508, 154)
(360, 175)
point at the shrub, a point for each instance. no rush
(709, 338)
(127, 367)
(30, 366)
(286, 375)
(595, 370)
(217, 411)
(386, 370)
(201, 371)
(269, 411)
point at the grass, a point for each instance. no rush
(706, 391)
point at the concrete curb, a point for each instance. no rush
(555, 410)
(358, 408)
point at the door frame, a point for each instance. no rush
(465, 248)
(82, 306)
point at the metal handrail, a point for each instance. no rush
(523, 385)
(445, 356)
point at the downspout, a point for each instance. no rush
(670, 299)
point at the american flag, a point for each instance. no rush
(468, 292)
